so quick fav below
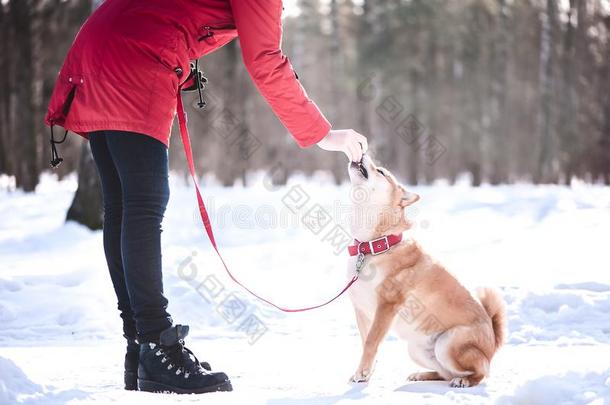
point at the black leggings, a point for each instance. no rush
(133, 169)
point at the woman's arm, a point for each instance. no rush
(259, 26)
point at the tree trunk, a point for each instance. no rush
(499, 89)
(413, 173)
(336, 66)
(605, 141)
(569, 142)
(4, 90)
(474, 125)
(432, 83)
(545, 170)
(27, 171)
(365, 92)
(36, 84)
(87, 206)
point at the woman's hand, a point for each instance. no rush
(347, 141)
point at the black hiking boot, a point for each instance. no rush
(131, 364)
(168, 366)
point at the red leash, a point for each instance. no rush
(186, 142)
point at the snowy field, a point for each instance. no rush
(546, 248)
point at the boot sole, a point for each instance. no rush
(153, 386)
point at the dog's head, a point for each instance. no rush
(379, 202)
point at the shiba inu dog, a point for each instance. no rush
(450, 332)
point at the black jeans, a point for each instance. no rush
(133, 169)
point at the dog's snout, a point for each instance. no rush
(359, 167)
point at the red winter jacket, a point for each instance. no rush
(120, 73)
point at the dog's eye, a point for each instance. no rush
(381, 172)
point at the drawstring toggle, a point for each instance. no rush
(55, 159)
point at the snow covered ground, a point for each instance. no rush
(546, 248)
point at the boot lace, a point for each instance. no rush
(182, 359)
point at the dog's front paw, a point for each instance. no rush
(460, 382)
(361, 376)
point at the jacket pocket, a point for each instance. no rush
(62, 98)
(174, 65)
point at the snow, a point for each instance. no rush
(545, 248)
(14, 382)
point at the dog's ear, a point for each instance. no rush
(408, 198)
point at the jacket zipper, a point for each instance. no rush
(209, 30)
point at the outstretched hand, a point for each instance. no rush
(348, 141)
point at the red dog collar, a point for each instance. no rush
(375, 246)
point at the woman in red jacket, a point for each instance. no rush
(118, 87)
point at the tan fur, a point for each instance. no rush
(448, 330)
(496, 309)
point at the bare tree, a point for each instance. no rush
(22, 106)
(545, 171)
(87, 205)
(5, 165)
(498, 96)
(605, 140)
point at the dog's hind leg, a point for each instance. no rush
(423, 355)
(384, 315)
(425, 376)
(470, 358)
(458, 353)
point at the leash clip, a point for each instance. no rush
(359, 262)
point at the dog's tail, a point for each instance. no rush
(496, 309)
